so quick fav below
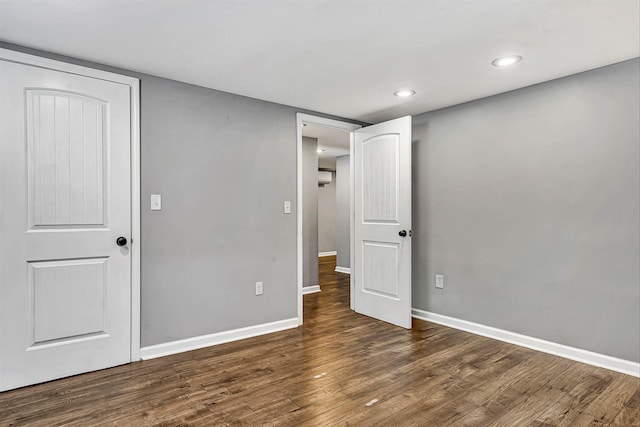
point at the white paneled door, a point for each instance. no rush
(382, 225)
(65, 199)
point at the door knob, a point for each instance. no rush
(402, 233)
(121, 241)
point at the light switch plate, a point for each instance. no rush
(287, 206)
(156, 202)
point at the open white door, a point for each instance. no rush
(382, 226)
(65, 212)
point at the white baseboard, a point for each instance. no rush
(310, 289)
(330, 253)
(173, 347)
(343, 270)
(577, 354)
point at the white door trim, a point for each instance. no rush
(134, 85)
(337, 124)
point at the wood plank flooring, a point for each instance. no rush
(340, 368)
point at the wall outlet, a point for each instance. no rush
(439, 281)
(258, 288)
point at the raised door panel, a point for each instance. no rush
(67, 161)
(380, 268)
(68, 300)
(380, 179)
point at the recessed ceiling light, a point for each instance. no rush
(505, 61)
(320, 150)
(403, 93)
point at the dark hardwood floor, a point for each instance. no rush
(340, 368)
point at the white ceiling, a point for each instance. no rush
(334, 142)
(340, 57)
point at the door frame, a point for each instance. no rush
(134, 92)
(337, 124)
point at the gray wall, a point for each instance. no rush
(327, 216)
(327, 163)
(343, 224)
(309, 211)
(224, 164)
(528, 203)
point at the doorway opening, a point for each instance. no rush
(324, 202)
(379, 216)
